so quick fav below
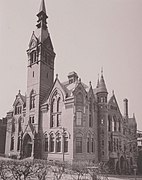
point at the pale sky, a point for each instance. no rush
(86, 35)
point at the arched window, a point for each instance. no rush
(58, 112)
(79, 109)
(18, 109)
(58, 143)
(115, 123)
(90, 113)
(59, 105)
(88, 145)
(33, 57)
(92, 145)
(119, 125)
(55, 120)
(13, 126)
(109, 123)
(79, 99)
(18, 143)
(65, 142)
(53, 106)
(19, 125)
(79, 143)
(46, 143)
(51, 143)
(12, 143)
(53, 110)
(79, 118)
(32, 100)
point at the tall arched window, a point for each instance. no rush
(58, 143)
(32, 100)
(18, 143)
(79, 99)
(115, 123)
(90, 113)
(79, 143)
(92, 145)
(12, 143)
(13, 126)
(18, 109)
(33, 57)
(53, 110)
(58, 112)
(65, 142)
(56, 109)
(88, 144)
(46, 143)
(79, 109)
(19, 125)
(119, 125)
(109, 123)
(51, 143)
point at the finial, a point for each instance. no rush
(56, 76)
(101, 71)
(19, 92)
(112, 92)
(42, 7)
(79, 80)
(90, 84)
(42, 16)
(98, 81)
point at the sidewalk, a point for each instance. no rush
(121, 177)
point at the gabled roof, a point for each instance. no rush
(63, 88)
(113, 101)
(20, 98)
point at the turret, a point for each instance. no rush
(101, 90)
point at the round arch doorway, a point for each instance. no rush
(27, 146)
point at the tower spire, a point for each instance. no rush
(42, 16)
(42, 7)
(102, 85)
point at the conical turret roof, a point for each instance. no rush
(102, 85)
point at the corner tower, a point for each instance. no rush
(40, 68)
(102, 119)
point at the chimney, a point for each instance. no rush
(125, 107)
(72, 77)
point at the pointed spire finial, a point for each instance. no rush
(101, 71)
(56, 76)
(90, 84)
(112, 92)
(79, 80)
(98, 81)
(19, 92)
(42, 16)
(42, 7)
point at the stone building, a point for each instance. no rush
(3, 123)
(68, 121)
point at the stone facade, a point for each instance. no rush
(69, 120)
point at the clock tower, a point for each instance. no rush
(40, 69)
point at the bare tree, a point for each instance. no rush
(5, 172)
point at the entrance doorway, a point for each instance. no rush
(27, 146)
